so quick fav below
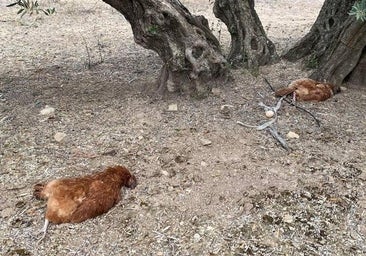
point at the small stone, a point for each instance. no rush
(248, 207)
(173, 107)
(269, 113)
(59, 136)
(196, 238)
(47, 111)
(287, 218)
(204, 164)
(216, 92)
(206, 142)
(165, 173)
(343, 89)
(292, 135)
(224, 109)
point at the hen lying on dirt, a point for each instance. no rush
(307, 89)
(77, 199)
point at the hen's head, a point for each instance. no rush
(129, 180)
(132, 182)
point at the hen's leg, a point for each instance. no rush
(44, 230)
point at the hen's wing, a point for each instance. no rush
(284, 91)
(64, 197)
(99, 199)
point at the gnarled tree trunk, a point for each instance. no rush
(249, 43)
(345, 56)
(358, 75)
(191, 54)
(326, 29)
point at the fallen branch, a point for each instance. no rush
(293, 104)
(270, 124)
(275, 135)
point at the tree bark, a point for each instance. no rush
(191, 54)
(358, 75)
(249, 44)
(345, 56)
(326, 28)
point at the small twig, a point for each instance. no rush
(269, 125)
(16, 188)
(275, 135)
(246, 125)
(293, 104)
(87, 52)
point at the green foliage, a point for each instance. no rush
(30, 7)
(359, 10)
(153, 29)
(312, 61)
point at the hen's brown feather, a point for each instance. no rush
(78, 199)
(307, 89)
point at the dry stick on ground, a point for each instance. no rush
(270, 124)
(293, 104)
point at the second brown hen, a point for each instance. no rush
(307, 89)
(77, 199)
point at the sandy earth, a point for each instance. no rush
(206, 186)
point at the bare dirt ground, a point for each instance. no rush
(206, 186)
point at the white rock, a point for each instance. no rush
(269, 113)
(173, 107)
(59, 136)
(292, 135)
(165, 173)
(196, 238)
(287, 218)
(47, 111)
(204, 164)
(206, 142)
(216, 91)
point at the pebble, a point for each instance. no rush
(196, 238)
(216, 91)
(206, 142)
(165, 173)
(173, 107)
(204, 164)
(59, 136)
(292, 135)
(47, 111)
(287, 218)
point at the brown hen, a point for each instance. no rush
(307, 89)
(77, 199)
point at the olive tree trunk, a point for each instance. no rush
(249, 44)
(358, 75)
(345, 56)
(326, 29)
(191, 54)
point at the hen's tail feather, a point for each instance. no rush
(284, 91)
(37, 191)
